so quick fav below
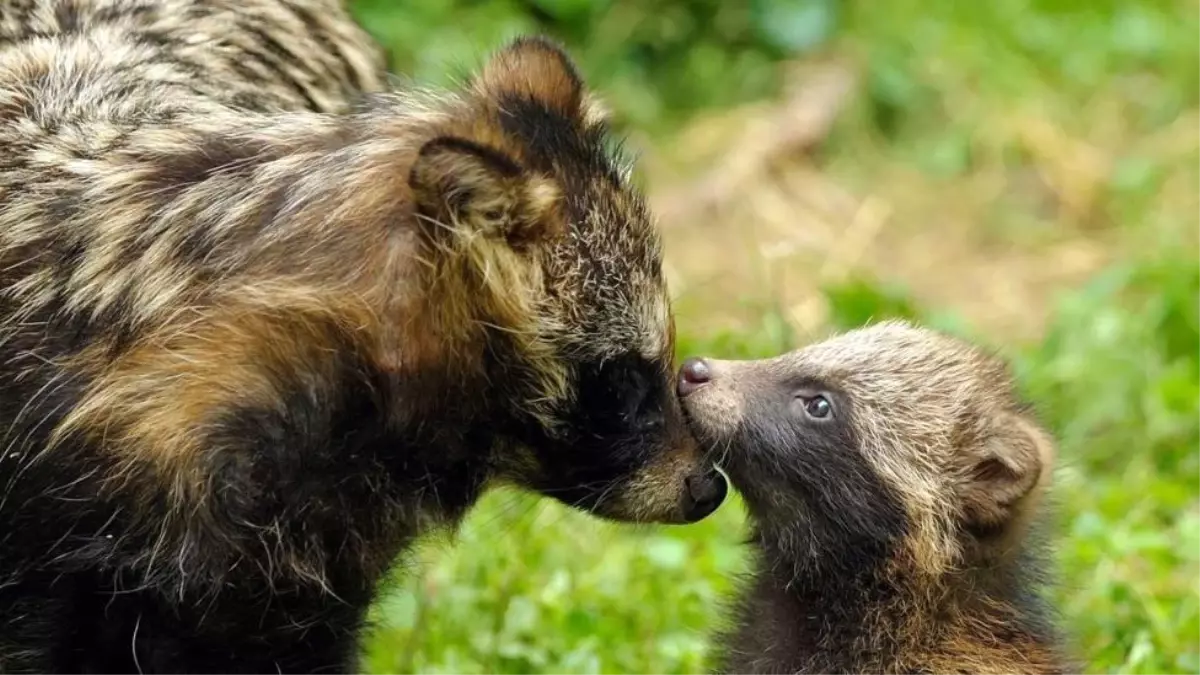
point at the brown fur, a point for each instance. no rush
(262, 325)
(897, 534)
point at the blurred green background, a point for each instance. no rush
(1022, 172)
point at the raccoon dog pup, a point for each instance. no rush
(893, 480)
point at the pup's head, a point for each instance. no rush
(524, 191)
(884, 437)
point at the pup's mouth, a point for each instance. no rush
(717, 445)
(733, 456)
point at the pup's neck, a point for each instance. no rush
(820, 610)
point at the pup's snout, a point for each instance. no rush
(703, 494)
(693, 374)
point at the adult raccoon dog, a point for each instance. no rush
(253, 342)
(892, 478)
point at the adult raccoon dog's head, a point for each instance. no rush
(563, 264)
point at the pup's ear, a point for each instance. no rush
(539, 69)
(1004, 473)
(464, 188)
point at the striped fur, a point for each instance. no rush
(262, 324)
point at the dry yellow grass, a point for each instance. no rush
(764, 222)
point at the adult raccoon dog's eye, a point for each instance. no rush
(816, 406)
(649, 418)
(646, 408)
(624, 394)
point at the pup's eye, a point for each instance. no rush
(817, 407)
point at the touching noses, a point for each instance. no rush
(693, 374)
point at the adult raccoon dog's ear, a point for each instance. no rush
(462, 188)
(537, 69)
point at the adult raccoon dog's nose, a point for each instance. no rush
(693, 374)
(703, 495)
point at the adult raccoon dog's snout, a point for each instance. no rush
(703, 495)
(626, 453)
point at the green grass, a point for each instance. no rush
(530, 586)
(533, 587)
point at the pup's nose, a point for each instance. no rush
(692, 374)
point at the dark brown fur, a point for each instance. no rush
(254, 339)
(895, 532)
